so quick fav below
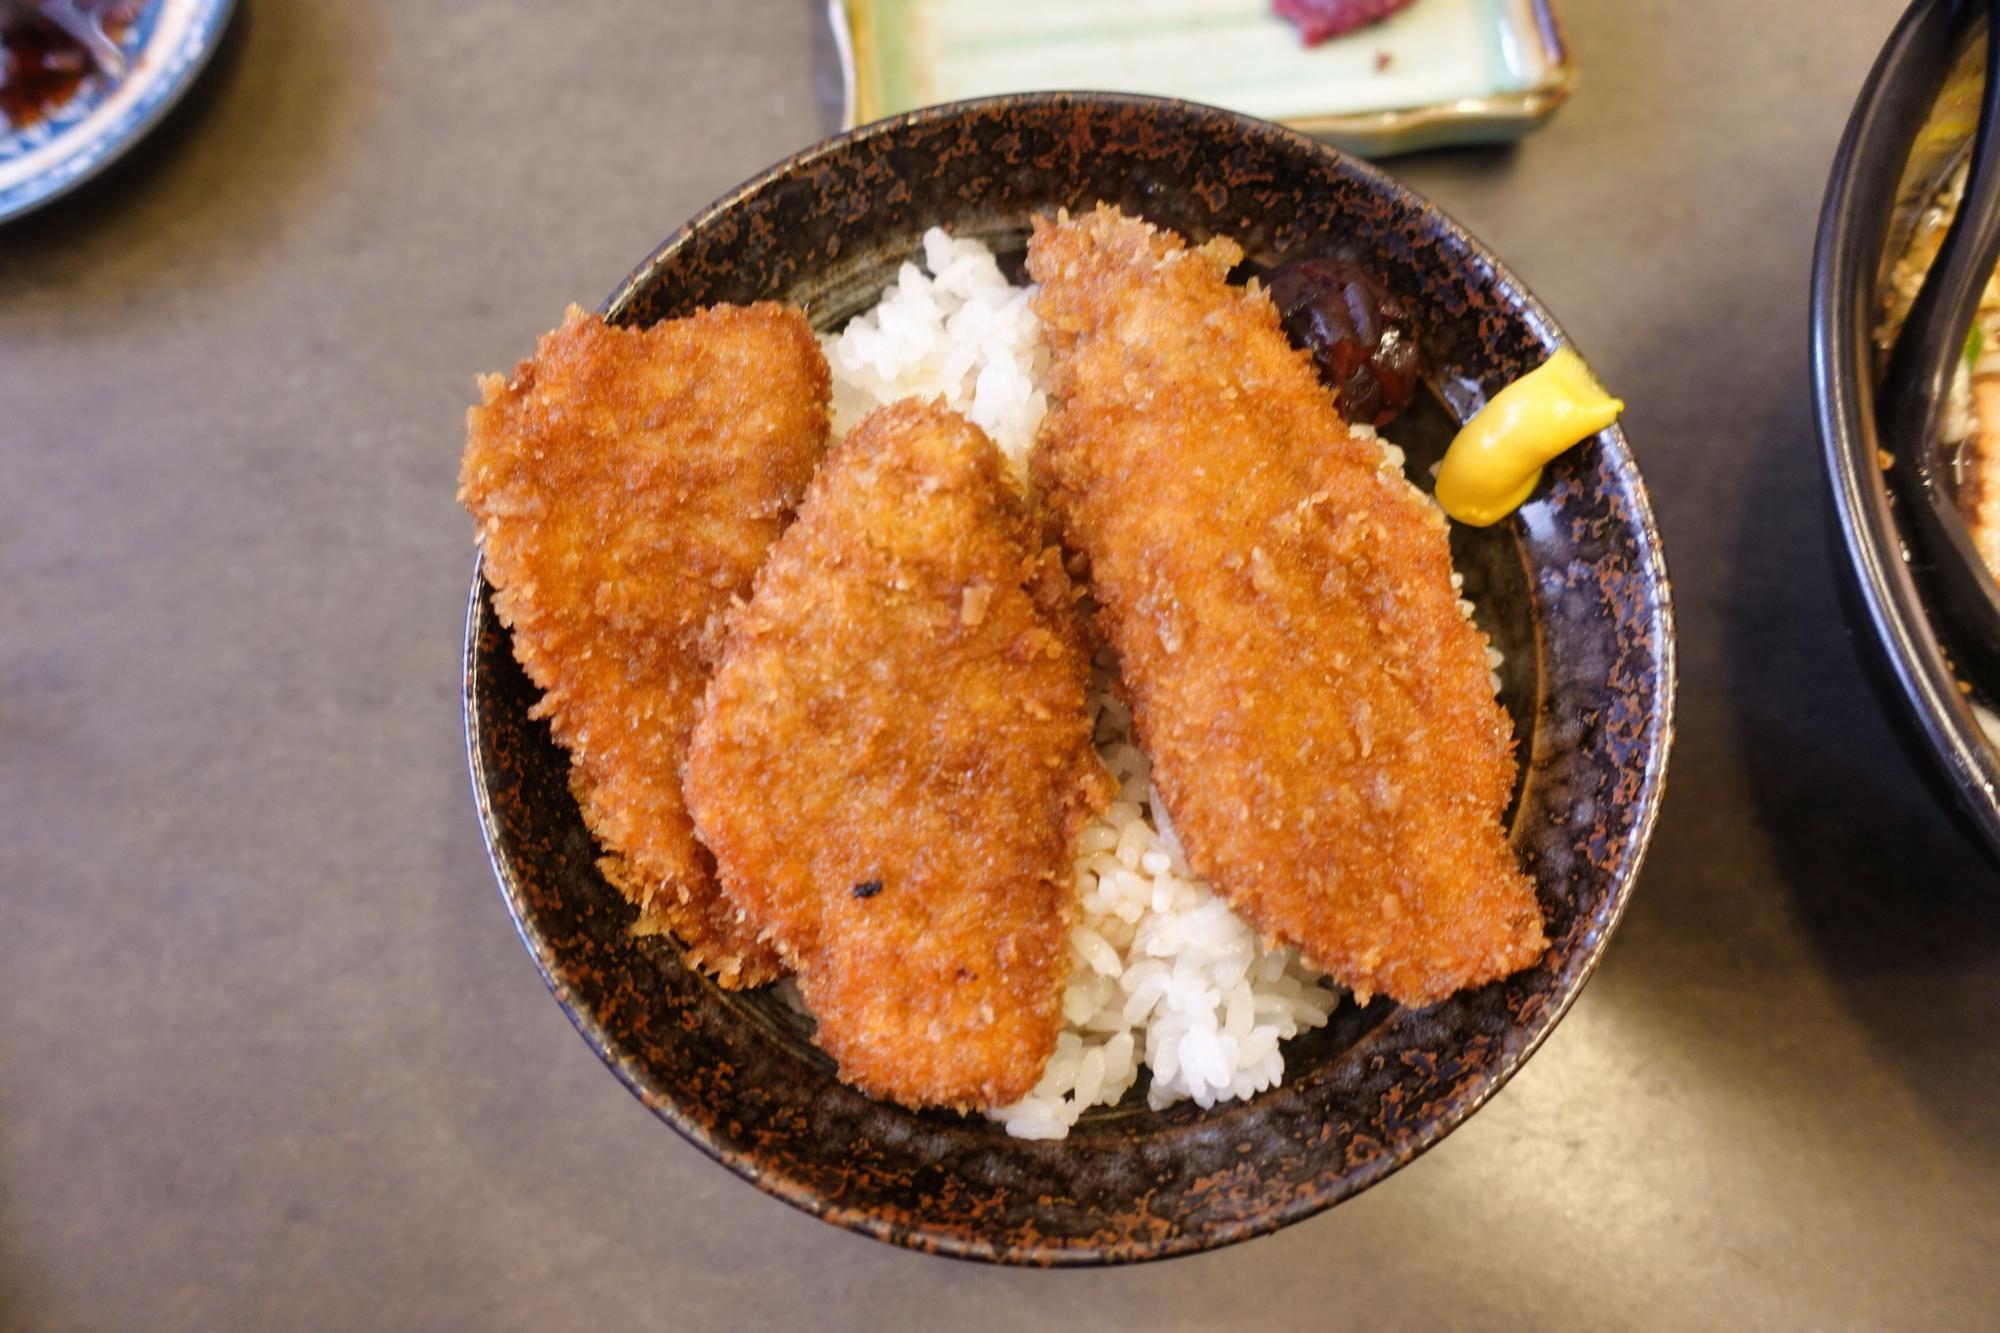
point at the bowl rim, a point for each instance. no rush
(1853, 231)
(1650, 565)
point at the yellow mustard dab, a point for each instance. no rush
(1495, 461)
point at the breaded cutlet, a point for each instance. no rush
(627, 484)
(894, 759)
(1322, 726)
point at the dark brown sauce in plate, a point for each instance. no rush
(43, 66)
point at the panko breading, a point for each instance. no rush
(1318, 711)
(627, 484)
(893, 762)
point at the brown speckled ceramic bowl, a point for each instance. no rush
(1572, 589)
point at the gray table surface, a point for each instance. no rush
(270, 1054)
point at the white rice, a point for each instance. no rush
(1164, 975)
(961, 332)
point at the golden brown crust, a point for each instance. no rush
(894, 760)
(1322, 727)
(627, 484)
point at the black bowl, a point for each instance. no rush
(1912, 123)
(1572, 589)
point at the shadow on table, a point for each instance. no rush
(1903, 910)
(20, 1301)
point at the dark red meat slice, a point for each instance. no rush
(1320, 19)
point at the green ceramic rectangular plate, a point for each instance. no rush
(1441, 71)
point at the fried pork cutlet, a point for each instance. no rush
(894, 760)
(1321, 723)
(627, 484)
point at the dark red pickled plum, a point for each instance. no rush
(1359, 333)
(1318, 20)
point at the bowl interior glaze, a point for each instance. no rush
(1572, 589)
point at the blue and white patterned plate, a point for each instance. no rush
(165, 48)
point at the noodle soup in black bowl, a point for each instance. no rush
(1908, 138)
